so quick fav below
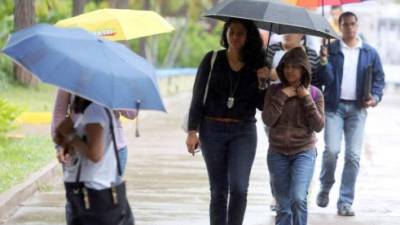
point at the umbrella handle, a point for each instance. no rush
(137, 134)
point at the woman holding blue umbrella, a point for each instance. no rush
(223, 124)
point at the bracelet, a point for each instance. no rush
(323, 62)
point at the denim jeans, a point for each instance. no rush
(349, 120)
(291, 177)
(228, 150)
(123, 158)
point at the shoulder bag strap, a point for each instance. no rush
(214, 56)
(78, 175)
(114, 141)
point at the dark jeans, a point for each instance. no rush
(228, 150)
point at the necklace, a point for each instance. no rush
(232, 90)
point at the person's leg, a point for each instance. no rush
(273, 201)
(68, 213)
(214, 150)
(241, 153)
(302, 170)
(353, 132)
(332, 136)
(123, 158)
(279, 169)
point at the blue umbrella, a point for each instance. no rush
(105, 72)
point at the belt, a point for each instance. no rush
(223, 120)
(348, 101)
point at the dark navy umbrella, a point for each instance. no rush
(105, 72)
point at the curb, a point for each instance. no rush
(12, 198)
(42, 118)
(35, 118)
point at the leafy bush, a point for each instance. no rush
(8, 114)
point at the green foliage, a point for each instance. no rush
(8, 114)
(50, 11)
(198, 41)
(19, 158)
(33, 99)
(6, 26)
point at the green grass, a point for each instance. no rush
(20, 158)
(41, 98)
(30, 99)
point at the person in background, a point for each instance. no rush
(276, 52)
(335, 12)
(343, 73)
(224, 127)
(294, 112)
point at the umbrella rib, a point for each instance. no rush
(309, 17)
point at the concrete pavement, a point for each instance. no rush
(167, 186)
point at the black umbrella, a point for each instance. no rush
(273, 16)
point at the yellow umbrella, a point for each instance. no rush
(119, 24)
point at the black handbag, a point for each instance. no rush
(99, 207)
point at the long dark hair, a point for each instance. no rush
(252, 51)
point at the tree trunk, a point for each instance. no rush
(142, 43)
(24, 16)
(78, 7)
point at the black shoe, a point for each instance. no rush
(345, 210)
(323, 199)
(273, 208)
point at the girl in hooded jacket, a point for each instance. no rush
(294, 111)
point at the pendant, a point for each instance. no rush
(230, 102)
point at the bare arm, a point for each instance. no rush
(59, 111)
(129, 114)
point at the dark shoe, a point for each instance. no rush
(273, 208)
(323, 199)
(345, 210)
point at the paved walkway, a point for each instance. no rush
(167, 186)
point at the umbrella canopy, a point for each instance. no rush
(105, 72)
(318, 3)
(276, 17)
(119, 24)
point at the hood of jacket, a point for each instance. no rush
(296, 56)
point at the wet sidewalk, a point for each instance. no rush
(167, 186)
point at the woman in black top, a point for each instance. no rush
(226, 121)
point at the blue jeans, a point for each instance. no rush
(348, 120)
(291, 177)
(123, 158)
(228, 150)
